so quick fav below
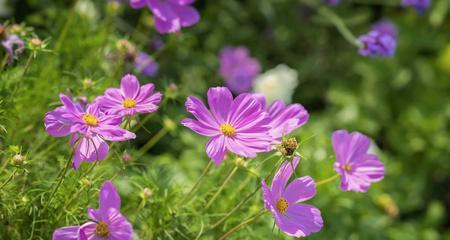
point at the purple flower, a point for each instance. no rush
(284, 118)
(238, 69)
(14, 46)
(380, 41)
(108, 223)
(170, 15)
(420, 5)
(89, 129)
(145, 64)
(332, 2)
(297, 220)
(130, 98)
(358, 169)
(238, 125)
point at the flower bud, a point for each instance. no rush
(87, 83)
(2, 31)
(18, 160)
(36, 43)
(240, 162)
(87, 182)
(146, 193)
(287, 147)
(126, 157)
(126, 49)
(169, 124)
(388, 204)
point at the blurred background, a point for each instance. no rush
(402, 103)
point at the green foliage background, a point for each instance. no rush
(403, 103)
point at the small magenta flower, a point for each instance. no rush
(89, 128)
(284, 118)
(130, 98)
(170, 15)
(281, 199)
(238, 69)
(14, 46)
(380, 41)
(332, 2)
(145, 64)
(238, 125)
(358, 169)
(420, 5)
(107, 221)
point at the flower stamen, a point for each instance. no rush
(102, 229)
(227, 129)
(282, 205)
(129, 103)
(347, 167)
(90, 120)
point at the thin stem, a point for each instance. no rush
(246, 199)
(9, 179)
(330, 179)
(68, 23)
(153, 141)
(27, 65)
(339, 24)
(227, 179)
(194, 187)
(3, 63)
(237, 227)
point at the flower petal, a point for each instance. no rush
(282, 176)
(349, 147)
(199, 127)
(299, 190)
(66, 233)
(301, 220)
(198, 109)
(129, 86)
(187, 14)
(215, 148)
(89, 149)
(219, 101)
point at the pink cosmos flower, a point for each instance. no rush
(14, 46)
(297, 220)
(108, 223)
(238, 69)
(170, 15)
(89, 129)
(130, 98)
(358, 169)
(238, 125)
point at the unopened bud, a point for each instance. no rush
(2, 31)
(127, 49)
(388, 204)
(288, 147)
(146, 193)
(86, 182)
(169, 124)
(126, 157)
(173, 87)
(88, 83)
(18, 160)
(240, 162)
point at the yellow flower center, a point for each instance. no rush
(90, 120)
(282, 205)
(347, 167)
(227, 129)
(102, 229)
(129, 103)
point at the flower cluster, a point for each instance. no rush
(380, 41)
(12, 43)
(245, 126)
(91, 125)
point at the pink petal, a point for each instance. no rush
(299, 190)
(188, 15)
(282, 176)
(198, 109)
(215, 148)
(66, 233)
(130, 86)
(219, 101)
(199, 127)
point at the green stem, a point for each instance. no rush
(9, 179)
(27, 65)
(68, 23)
(248, 221)
(339, 24)
(246, 199)
(3, 63)
(194, 187)
(330, 179)
(227, 179)
(152, 141)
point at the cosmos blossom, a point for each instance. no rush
(380, 41)
(145, 64)
(358, 169)
(282, 200)
(238, 69)
(89, 127)
(130, 98)
(285, 118)
(170, 15)
(13, 46)
(420, 5)
(238, 125)
(107, 221)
